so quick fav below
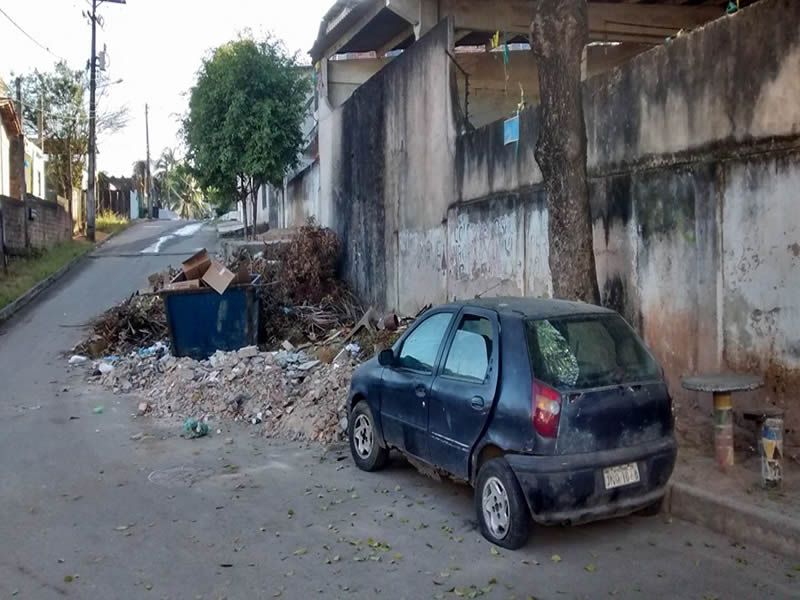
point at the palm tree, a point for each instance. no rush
(140, 177)
(184, 194)
(165, 163)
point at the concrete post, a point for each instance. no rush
(723, 430)
(772, 453)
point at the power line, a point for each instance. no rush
(30, 37)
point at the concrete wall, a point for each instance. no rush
(50, 224)
(387, 172)
(694, 165)
(35, 163)
(303, 196)
(495, 87)
(5, 168)
(346, 76)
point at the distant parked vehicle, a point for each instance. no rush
(553, 411)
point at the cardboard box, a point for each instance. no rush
(218, 277)
(192, 284)
(242, 276)
(196, 266)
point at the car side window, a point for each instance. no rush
(422, 345)
(471, 351)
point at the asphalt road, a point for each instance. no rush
(88, 512)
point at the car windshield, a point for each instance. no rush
(583, 352)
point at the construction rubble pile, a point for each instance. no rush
(286, 394)
(313, 333)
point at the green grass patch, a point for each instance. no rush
(24, 273)
(110, 223)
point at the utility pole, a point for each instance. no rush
(148, 191)
(90, 200)
(90, 195)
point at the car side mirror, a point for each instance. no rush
(386, 358)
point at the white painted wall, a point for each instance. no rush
(35, 183)
(5, 148)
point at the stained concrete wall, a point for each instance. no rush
(694, 165)
(303, 196)
(386, 170)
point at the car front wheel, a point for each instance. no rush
(368, 453)
(502, 512)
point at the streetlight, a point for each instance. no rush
(90, 199)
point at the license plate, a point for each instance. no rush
(621, 475)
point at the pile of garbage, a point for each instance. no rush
(285, 393)
(300, 297)
(137, 322)
(313, 333)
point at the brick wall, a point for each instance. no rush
(50, 224)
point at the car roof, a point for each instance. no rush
(535, 308)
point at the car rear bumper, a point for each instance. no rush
(571, 488)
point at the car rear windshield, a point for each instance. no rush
(583, 352)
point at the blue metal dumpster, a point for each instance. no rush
(201, 321)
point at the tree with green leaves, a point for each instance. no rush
(243, 127)
(57, 101)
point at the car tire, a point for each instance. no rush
(500, 504)
(366, 448)
(653, 509)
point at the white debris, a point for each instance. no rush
(247, 352)
(105, 368)
(290, 394)
(77, 359)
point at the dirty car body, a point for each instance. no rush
(556, 402)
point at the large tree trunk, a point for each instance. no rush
(559, 34)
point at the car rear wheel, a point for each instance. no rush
(365, 447)
(502, 512)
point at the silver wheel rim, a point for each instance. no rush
(495, 508)
(362, 436)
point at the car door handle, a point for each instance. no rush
(421, 391)
(477, 403)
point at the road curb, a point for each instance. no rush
(744, 523)
(17, 305)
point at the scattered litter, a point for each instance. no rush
(307, 314)
(159, 349)
(105, 368)
(77, 359)
(137, 436)
(98, 410)
(195, 428)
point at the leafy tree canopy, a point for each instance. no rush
(246, 109)
(61, 98)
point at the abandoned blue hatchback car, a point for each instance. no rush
(553, 411)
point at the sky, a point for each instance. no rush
(154, 46)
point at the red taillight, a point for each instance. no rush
(546, 409)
